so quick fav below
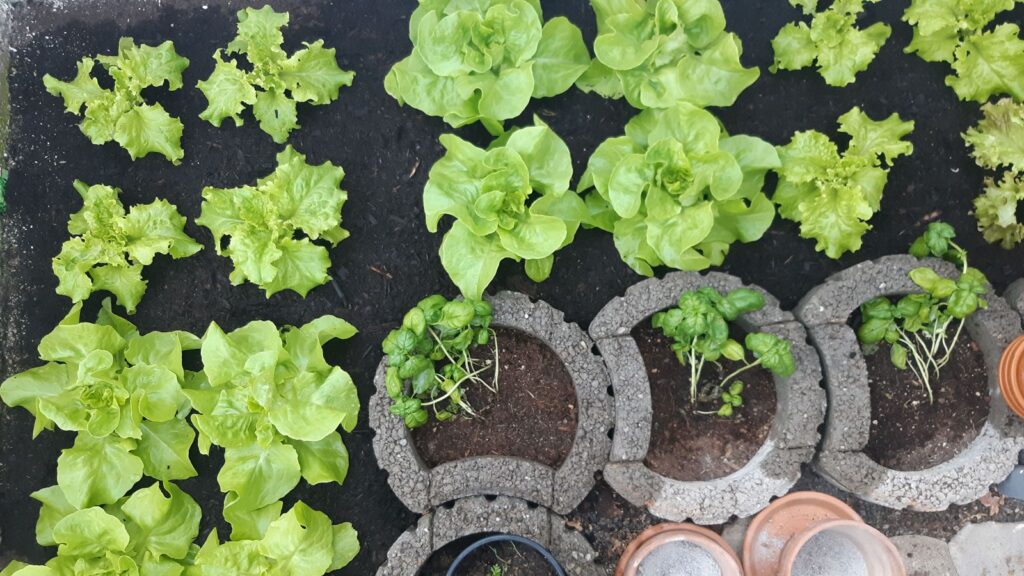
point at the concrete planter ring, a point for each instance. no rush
(422, 488)
(987, 460)
(773, 469)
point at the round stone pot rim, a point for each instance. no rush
(561, 488)
(987, 460)
(775, 467)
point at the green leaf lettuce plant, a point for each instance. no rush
(832, 195)
(110, 246)
(272, 226)
(483, 61)
(121, 113)
(277, 82)
(677, 190)
(923, 328)
(841, 49)
(510, 201)
(986, 62)
(656, 53)
(998, 142)
(699, 328)
(429, 364)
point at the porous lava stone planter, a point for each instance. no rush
(421, 488)
(773, 469)
(482, 515)
(988, 459)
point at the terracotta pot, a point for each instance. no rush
(655, 536)
(781, 521)
(1011, 375)
(880, 556)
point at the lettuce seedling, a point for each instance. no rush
(510, 201)
(677, 191)
(109, 246)
(122, 392)
(833, 40)
(271, 400)
(998, 142)
(833, 195)
(484, 61)
(271, 226)
(660, 52)
(996, 210)
(428, 359)
(985, 62)
(121, 113)
(699, 328)
(917, 326)
(277, 82)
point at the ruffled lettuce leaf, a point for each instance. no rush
(121, 113)
(998, 139)
(841, 49)
(484, 61)
(276, 83)
(272, 226)
(996, 211)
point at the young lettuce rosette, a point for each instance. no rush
(510, 201)
(677, 190)
(659, 52)
(483, 61)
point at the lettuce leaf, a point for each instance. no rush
(996, 211)
(656, 53)
(121, 113)
(109, 246)
(833, 39)
(277, 82)
(272, 226)
(484, 61)
(998, 139)
(833, 195)
(676, 190)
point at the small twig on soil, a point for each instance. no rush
(381, 271)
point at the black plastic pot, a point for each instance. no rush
(499, 538)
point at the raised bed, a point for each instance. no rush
(842, 460)
(482, 515)
(421, 487)
(773, 469)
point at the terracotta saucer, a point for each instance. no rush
(783, 519)
(661, 534)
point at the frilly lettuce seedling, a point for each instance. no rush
(833, 195)
(660, 52)
(277, 82)
(996, 210)
(121, 113)
(833, 40)
(677, 190)
(483, 61)
(110, 246)
(998, 142)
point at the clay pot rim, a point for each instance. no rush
(664, 531)
(1011, 387)
(795, 544)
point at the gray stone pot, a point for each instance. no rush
(481, 515)
(774, 468)
(421, 488)
(986, 461)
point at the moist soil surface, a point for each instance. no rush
(512, 559)
(908, 432)
(686, 445)
(532, 416)
(391, 261)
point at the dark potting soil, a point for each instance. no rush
(391, 262)
(686, 445)
(908, 432)
(509, 558)
(532, 416)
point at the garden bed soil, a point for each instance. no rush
(909, 433)
(513, 559)
(532, 416)
(689, 446)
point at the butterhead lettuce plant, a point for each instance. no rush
(510, 201)
(659, 52)
(483, 61)
(121, 113)
(677, 190)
